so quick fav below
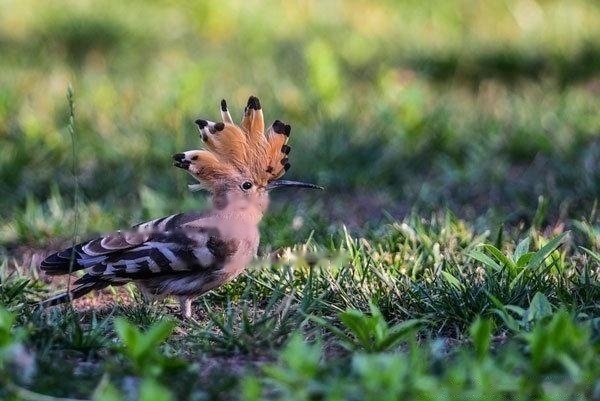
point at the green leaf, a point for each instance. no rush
(522, 249)
(151, 390)
(546, 250)
(517, 310)
(155, 335)
(550, 341)
(515, 280)
(481, 333)
(539, 308)
(593, 254)
(485, 259)
(129, 335)
(301, 357)
(397, 333)
(251, 388)
(499, 256)
(570, 365)
(361, 325)
(334, 330)
(508, 320)
(453, 281)
(143, 348)
(380, 325)
(7, 320)
(524, 259)
(502, 311)
(106, 391)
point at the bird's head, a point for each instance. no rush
(240, 163)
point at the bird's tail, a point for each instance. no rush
(62, 262)
(75, 293)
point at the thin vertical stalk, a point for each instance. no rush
(72, 134)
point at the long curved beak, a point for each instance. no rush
(287, 183)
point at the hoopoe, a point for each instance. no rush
(188, 254)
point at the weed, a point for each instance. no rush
(141, 349)
(369, 333)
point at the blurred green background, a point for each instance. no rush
(489, 109)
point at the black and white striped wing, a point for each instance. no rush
(89, 253)
(130, 255)
(182, 250)
(156, 252)
(168, 223)
(152, 257)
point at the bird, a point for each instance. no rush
(188, 254)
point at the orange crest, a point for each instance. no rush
(245, 151)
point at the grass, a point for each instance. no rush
(455, 254)
(453, 307)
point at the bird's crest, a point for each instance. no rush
(248, 150)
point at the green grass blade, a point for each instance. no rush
(485, 259)
(500, 257)
(546, 250)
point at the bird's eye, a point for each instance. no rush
(247, 185)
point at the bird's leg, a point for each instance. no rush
(186, 307)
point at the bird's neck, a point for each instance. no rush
(244, 216)
(244, 210)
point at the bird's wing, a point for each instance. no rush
(170, 222)
(90, 253)
(183, 260)
(135, 255)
